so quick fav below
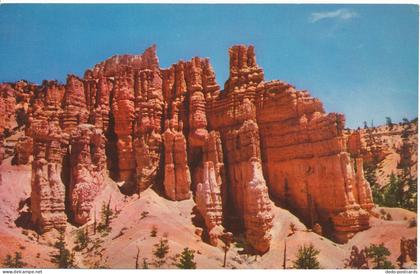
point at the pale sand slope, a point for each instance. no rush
(175, 219)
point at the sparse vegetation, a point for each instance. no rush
(389, 123)
(14, 262)
(154, 231)
(398, 193)
(365, 125)
(82, 239)
(401, 191)
(160, 252)
(101, 263)
(186, 260)
(62, 258)
(306, 258)
(358, 259)
(379, 254)
(106, 217)
(144, 214)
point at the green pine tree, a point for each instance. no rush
(82, 239)
(62, 257)
(160, 252)
(379, 254)
(106, 216)
(307, 258)
(186, 260)
(14, 262)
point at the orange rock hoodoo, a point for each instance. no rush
(174, 127)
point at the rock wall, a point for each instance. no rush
(306, 161)
(174, 127)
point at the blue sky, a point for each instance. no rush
(361, 60)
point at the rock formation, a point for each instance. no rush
(7, 107)
(209, 191)
(23, 150)
(88, 163)
(48, 189)
(408, 249)
(175, 127)
(177, 178)
(123, 110)
(75, 109)
(148, 127)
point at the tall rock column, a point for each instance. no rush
(147, 137)
(258, 217)
(247, 184)
(208, 194)
(177, 178)
(123, 110)
(197, 109)
(75, 108)
(88, 165)
(48, 190)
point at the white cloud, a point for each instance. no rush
(340, 14)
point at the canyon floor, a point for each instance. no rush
(131, 231)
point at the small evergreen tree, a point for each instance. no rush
(62, 258)
(186, 261)
(389, 122)
(106, 216)
(82, 239)
(153, 232)
(358, 259)
(16, 262)
(307, 258)
(160, 252)
(365, 125)
(394, 194)
(379, 254)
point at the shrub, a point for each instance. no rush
(14, 262)
(62, 258)
(186, 260)
(106, 216)
(357, 259)
(82, 239)
(306, 258)
(379, 254)
(144, 214)
(154, 231)
(160, 252)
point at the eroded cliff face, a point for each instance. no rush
(176, 129)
